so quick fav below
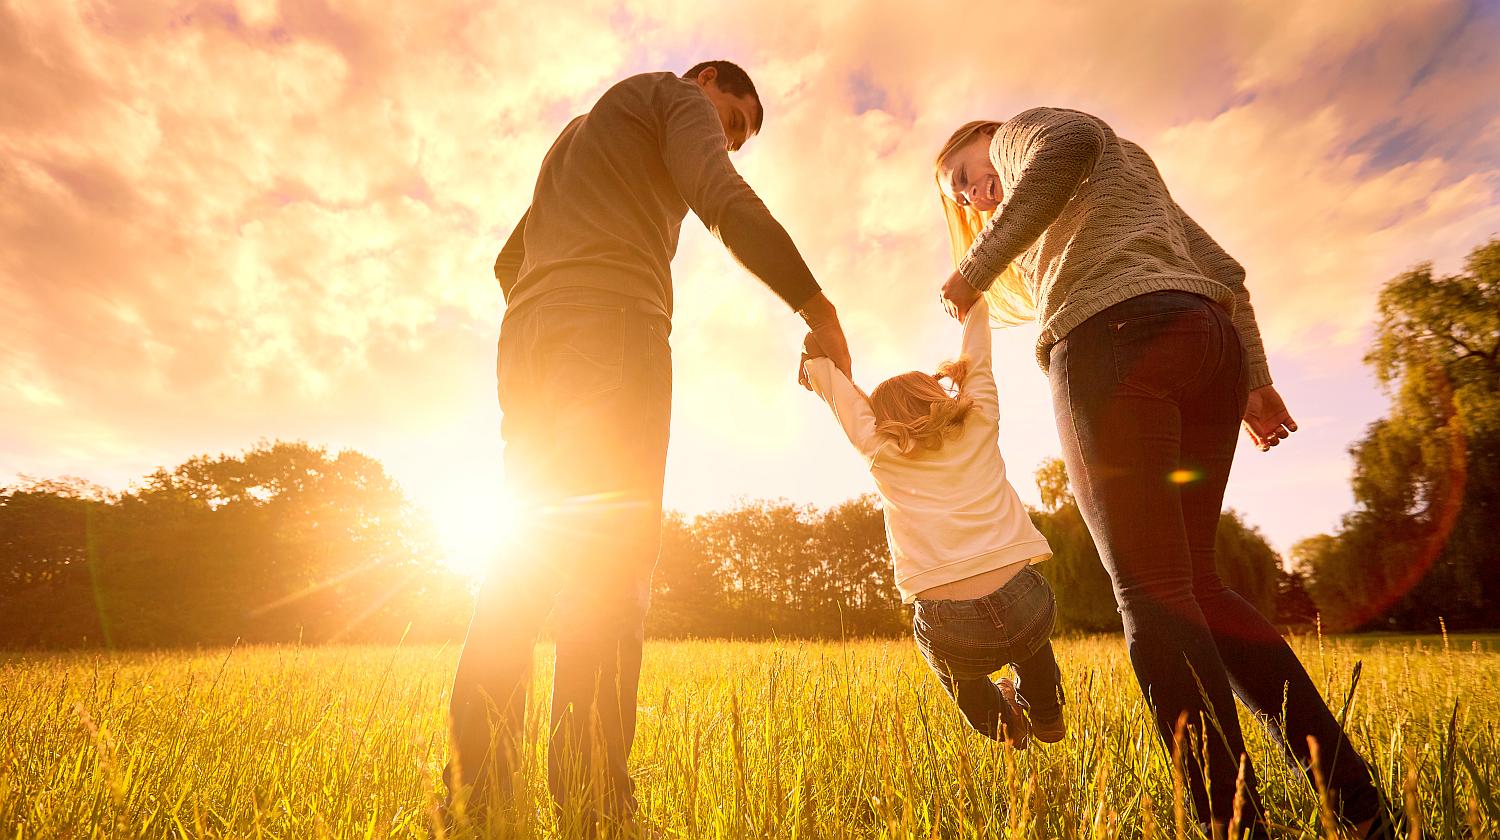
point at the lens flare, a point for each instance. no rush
(1184, 476)
(474, 525)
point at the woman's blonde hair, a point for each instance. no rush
(914, 410)
(1010, 300)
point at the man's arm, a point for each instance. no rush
(695, 153)
(512, 254)
(1057, 150)
(979, 383)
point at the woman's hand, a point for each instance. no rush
(958, 296)
(1266, 419)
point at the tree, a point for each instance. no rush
(1053, 485)
(1294, 606)
(687, 593)
(780, 568)
(856, 565)
(47, 531)
(284, 542)
(1427, 476)
(1246, 562)
(1085, 595)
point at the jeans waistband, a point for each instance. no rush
(591, 295)
(1156, 303)
(935, 612)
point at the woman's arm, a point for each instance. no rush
(1218, 266)
(1054, 150)
(979, 382)
(1266, 420)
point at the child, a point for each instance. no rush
(960, 538)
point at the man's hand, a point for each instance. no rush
(823, 326)
(958, 296)
(1266, 419)
(810, 350)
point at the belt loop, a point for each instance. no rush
(933, 613)
(987, 607)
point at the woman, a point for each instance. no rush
(1154, 358)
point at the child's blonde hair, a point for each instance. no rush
(1011, 302)
(915, 410)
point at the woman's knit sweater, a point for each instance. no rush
(1088, 222)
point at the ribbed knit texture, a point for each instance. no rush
(1089, 223)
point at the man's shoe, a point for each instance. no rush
(1048, 729)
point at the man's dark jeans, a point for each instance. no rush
(585, 382)
(1149, 395)
(966, 641)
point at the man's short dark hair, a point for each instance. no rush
(733, 80)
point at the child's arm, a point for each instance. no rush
(849, 404)
(979, 384)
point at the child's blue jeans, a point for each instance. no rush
(966, 641)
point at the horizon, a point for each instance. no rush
(194, 265)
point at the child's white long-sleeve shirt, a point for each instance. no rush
(950, 513)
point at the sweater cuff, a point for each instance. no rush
(1260, 375)
(969, 269)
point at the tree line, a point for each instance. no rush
(288, 542)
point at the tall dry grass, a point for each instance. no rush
(736, 740)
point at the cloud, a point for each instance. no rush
(229, 220)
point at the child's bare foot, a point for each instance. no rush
(1014, 726)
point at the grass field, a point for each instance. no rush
(737, 740)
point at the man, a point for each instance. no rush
(585, 384)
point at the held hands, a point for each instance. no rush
(1266, 419)
(958, 296)
(825, 336)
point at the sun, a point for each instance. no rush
(474, 525)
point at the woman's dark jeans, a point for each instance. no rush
(1149, 395)
(966, 641)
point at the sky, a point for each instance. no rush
(226, 222)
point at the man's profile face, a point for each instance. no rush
(736, 113)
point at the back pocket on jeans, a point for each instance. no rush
(583, 347)
(1160, 354)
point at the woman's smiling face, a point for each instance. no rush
(968, 178)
